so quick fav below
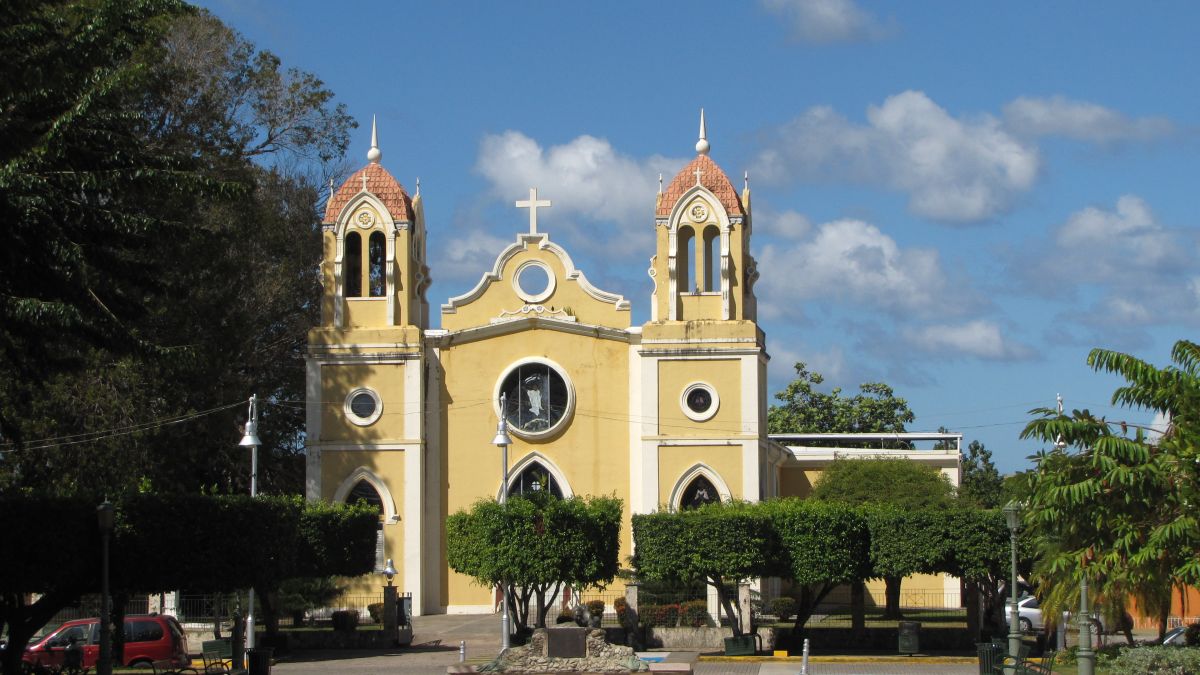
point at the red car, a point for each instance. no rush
(148, 639)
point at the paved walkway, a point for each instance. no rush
(436, 642)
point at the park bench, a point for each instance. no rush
(1027, 666)
(218, 657)
(168, 667)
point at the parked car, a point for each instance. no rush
(1177, 637)
(1029, 618)
(148, 639)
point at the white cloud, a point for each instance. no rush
(853, 261)
(978, 338)
(787, 224)
(467, 257)
(586, 178)
(1133, 270)
(1080, 120)
(827, 21)
(952, 169)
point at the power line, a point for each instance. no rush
(93, 436)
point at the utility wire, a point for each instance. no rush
(92, 436)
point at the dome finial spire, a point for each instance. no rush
(702, 145)
(374, 154)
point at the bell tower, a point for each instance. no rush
(374, 270)
(702, 268)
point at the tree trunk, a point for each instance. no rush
(858, 609)
(270, 612)
(971, 591)
(735, 617)
(540, 598)
(892, 593)
(119, 602)
(24, 621)
(811, 596)
(216, 617)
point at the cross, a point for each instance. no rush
(698, 173)
(532, 204)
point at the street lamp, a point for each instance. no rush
(389, 600)
(503, 440)
(1012, 514)
(1086, 657)
(250, 440)
(104, 518)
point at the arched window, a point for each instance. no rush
(535, 478)
(712, 258)
(683, 259)
(352, 267)
(699, 492)
(364, 491)
(376, 276)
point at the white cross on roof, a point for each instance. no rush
(698, 173)
(532, 204)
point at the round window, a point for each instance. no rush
(537, 398)
(363, 406)
(533, 281)
(699, 401)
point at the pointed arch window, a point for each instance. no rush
(535, 478)
(712, 258)
(699, 492)
(364, 491)
(376, 272)
(352, 269)
(683, 259)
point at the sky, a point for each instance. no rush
(958, 199)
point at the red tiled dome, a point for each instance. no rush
(379, 183)
(711, 177)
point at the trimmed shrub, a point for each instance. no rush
(1156, 661)
(565, 617)
(375, 609)
(596, 607)
(660, 615)
(345, 619)
(694, 613)
(784, 608)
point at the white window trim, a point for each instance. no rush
(700, 469)
(567, 414)
(705, 415)
(534, 298)
(551, 468)
(390, 515)
(363, 421)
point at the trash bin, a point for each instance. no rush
(991, 657)
(259, 660)
(910, 637)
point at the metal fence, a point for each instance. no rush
(205, 609)
(89, 606)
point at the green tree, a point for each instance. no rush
(904, 541)
(804, 409)
(203, 159)
(534, 545)
(893, 481)
(720, 544)
(1115, 503)
(822, 545)
(980, 483)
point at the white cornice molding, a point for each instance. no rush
(543, 243)
(445, 338)
(365, 197)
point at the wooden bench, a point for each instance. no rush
(218, 657)
(1027, 666)
(167, 667)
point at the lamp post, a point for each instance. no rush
(389, 599)
(104, 518)
(1086, 657)
(503, 440)
(1012, 514)
(250, 440)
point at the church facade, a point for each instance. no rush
(666, 414)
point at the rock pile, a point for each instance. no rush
(599, 657)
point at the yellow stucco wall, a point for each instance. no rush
(338, 380)
(797, 482)
(675, 460)
(592, 451)
(388, 466)
(725, 377)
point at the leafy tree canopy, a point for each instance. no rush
(804, 409)
(980, 483)
(884, 480)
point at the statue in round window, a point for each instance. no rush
(536, 398)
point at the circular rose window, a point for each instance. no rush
(363, 406)
(700, 401)
(533, 281)
(537, 398)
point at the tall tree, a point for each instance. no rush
(1117, 503)
(805, 409)
(208, 267)
(980, 483)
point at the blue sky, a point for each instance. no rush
(958, 199)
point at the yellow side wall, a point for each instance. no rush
(675, 460)
(337, 381)
(724, 375)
